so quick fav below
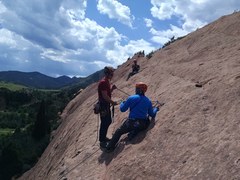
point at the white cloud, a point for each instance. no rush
(57, 37)
(2, 8)
(148, 22)
(121, 53)
(192, 14)
(115, 10)
(75, 8)
(203, 11)
(6, 37)
(162, 9)
(161, 37)
(54, 56)
(59, 33)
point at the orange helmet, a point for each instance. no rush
(142, 86)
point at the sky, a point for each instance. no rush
(80, 37)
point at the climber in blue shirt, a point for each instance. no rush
(140, 108)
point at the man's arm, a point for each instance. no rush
(113, 87)
(107, 98)
(152, 111)
(125, 105)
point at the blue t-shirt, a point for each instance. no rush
(140, 107)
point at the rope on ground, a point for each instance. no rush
(98, 121)
(74, 167)
(63, 137)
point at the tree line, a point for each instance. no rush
(27, 118)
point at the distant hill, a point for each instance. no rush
(41, 81)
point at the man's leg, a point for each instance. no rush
(105, 123)
(142, 125)
(129, 75)
(124, 128)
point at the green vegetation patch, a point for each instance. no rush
(6, 131)
(11, 86)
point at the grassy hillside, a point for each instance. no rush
(11, 86)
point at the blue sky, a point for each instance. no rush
(80, 37)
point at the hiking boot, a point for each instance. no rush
(109, 148)
(103, 144)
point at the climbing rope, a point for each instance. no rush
(123, 91)
(98, 122)
(81, 162)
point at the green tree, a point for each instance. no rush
(10, 163)
(41, 126)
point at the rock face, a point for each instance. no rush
(195, 134)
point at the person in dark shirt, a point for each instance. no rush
(105, 101)
(140, 108)
(135, 69)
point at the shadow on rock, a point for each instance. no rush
(107, 157)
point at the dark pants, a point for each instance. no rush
(106, 120)
(131, 74)
(129, 126)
